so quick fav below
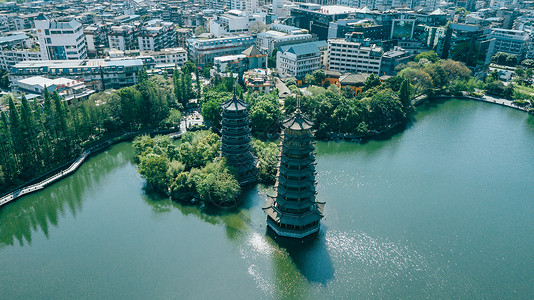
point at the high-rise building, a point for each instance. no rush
(60, 40)
(294, 211)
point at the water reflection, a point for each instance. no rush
(310, 256)
(39, 211)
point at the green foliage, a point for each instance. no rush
(197, 148)
(466, 53)
(192, 169)
(370, 82)
(188, 67)
(429, 55)
(385, 109)
(394, 83)
(153, 168)
(528, 63)
(319, 76)
(216, 184)
(200, 30)
(39, 138)
(173, 120)
(498, 88)
(264, 114)
(267, 155)
(271, 60)
(405, 96)
(503, 58)
(4, 79)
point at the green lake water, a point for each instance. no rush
(444, 209)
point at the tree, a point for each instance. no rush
(393, 83)
(264, 116)
(429, 55)
(154, 169)
(4, 79)
(199, 88)
(211, 112)
(438, 75)
(257, 27)
(188, 67)
(385, 109)
(200, 30)
(216, 184)
(520, 72)
(466, 52)
(405, 96)
(271, 60)
(267, 155)
(528, 63)
(421, 81)
(319, 76)
(308, 78)
(370, 82)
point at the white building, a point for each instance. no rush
(299, 59)
(67, 88)
(345, 56)
(16, 48)
(123, 38)
(60, 40)
(168, 56)
(157, 35)
(230, 23)
(509, 41)
(281, 35)
(98, 74)
(205, 50)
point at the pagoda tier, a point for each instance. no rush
(236, 140)
(293, 211)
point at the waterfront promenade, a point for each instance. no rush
(41, 185)
(489, 99)
(194, 119)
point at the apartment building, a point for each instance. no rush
(16, 48)
(345, 56)
(168, 56)
(123, 37)
(205, 50)
(157, 35)
(299, 59)
(97, 74)
(60, 40)
(509, 41)
(282, 35)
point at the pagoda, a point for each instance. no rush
(293, 211)
(236, 140)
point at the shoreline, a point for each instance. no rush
(70, 167)
(347, 137)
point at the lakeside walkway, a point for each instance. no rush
(485, 98)
(25, 190)
(41, 185)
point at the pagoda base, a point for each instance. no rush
(297, 234)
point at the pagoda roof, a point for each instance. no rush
(234, 104)
(294, 219)
(297, 122)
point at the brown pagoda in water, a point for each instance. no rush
(293, 211)
(236, 140)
